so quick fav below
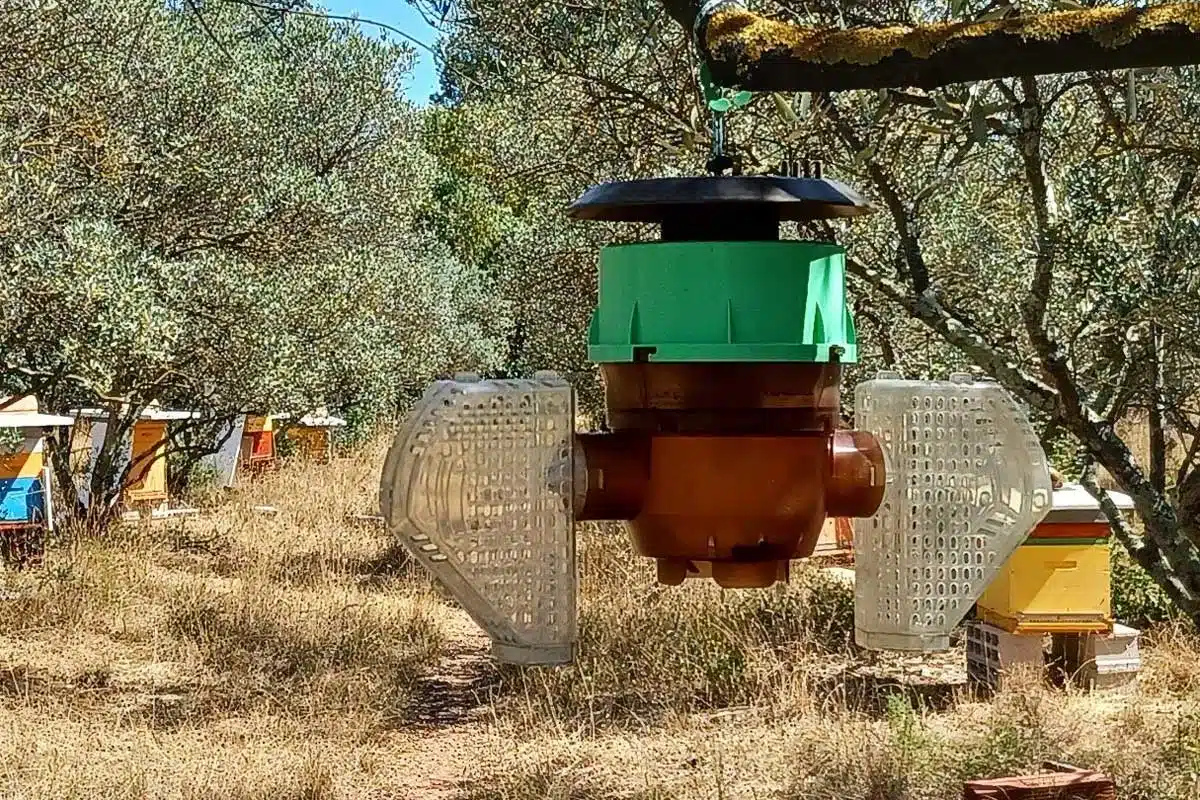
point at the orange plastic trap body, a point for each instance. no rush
(721, 349)
(727, 470)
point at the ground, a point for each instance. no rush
(301, 656)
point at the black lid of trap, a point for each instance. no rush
(719, 207)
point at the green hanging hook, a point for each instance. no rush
(720, 101)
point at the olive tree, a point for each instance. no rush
(1039, 229)
(202, 215)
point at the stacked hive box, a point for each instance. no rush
(836, 540)
(1098, 661)
(1057, 583)
(25, 499)
(1059, 580)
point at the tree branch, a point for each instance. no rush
(928, 309)
(1143, 550)
(747, 50)
(914, 259)
(1158, 439)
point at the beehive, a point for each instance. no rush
(258, 443)
(145, 453)
(836, 540)
(1059, 581)
(313, 436)
(25, 497)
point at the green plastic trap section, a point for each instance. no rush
(747, 301)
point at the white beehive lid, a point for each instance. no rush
(1073, 503)
(322, 419)
(24, 413)
(152, 413)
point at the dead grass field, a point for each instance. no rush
(299, 656)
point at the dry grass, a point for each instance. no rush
(697, 693)
(240, 656)
(230, 656)
(648, 652)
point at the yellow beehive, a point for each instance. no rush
(1059, 581)
(313, 436)
(148, 464)
(146, 483)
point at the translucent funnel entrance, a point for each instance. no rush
(966, 482)
(478, 487)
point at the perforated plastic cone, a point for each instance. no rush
(477, 485)
(967, 481)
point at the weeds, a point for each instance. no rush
(349, 649)
(647, 650)
(243, 656)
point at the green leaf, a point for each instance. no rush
(934, 129)
(720, 105)
(885, 105)
(805, 104)
(864, 155)
(711, 90)
(786, 112)
(742, 98)
(994, 14)
(995, 108)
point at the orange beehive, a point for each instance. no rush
(257, 452)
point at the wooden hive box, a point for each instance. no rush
(1059, 580)
(26, 507)
(258, 443)
(313, 436)
(146, 484)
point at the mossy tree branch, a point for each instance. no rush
(753, 52)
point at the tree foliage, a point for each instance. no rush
(1041, 230)
(221, 211)
(196, 187)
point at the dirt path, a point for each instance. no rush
(447, 734)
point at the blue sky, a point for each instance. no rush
(399, 14)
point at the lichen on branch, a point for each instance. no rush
(755, 52)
